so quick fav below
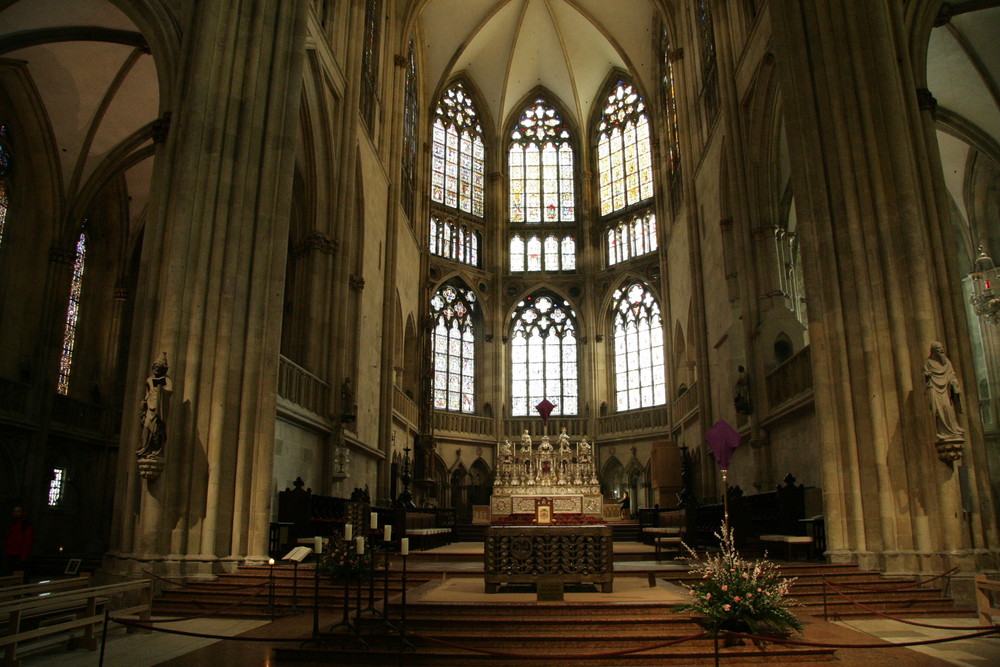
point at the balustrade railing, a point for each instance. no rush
(515, 426)
(685, 403)
(639, 420)
(405, 407)
(457, 422)
(792, 378)
(301, 387)
(80, 415)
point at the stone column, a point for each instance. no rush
(878, 292)
(210, 291)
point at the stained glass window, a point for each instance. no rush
(543, 356)
(410, 118)
(454, 344)
(369, 60)
(541, 167)
(72, 315)
(5, 168)
(458, 155)
(535, 253)
(624, 161)
(640, 376)
(632, 237)
(668, 86)
(454, 241)
(56, 486)
(709, 68)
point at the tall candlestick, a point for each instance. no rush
(318, 545)
(404, 546)
(374, 521)
(348, 531)
(360, 545)
(387, 533)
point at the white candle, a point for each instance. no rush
(374, 521)
(348, 531)
(404, 546)
(387, 533)
(360, 542)
(318, 544)
(270, 561)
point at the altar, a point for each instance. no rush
(549, 554)
(563, 476)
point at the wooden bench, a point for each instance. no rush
(423, 530)
(43, 588)
(987, 604)
(786, 526)
(11, 580)
(671, 523)
(66, 612)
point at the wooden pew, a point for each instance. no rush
(987, 599)
(43, 587)
(69, 611)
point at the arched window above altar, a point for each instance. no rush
(458, 155)
(453, 343)
(543, 355)
(540, 162)
(640, 374)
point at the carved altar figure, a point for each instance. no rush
(153, 411)
(506, 449)
(944, 395)
(563, 440)
(583, 449)
(545, 445)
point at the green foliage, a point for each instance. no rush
(735, 592)
(341, 561)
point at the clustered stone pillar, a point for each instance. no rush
(873, 272)
(211, 283)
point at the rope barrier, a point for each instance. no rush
(916, 584)
(211, 586)
(903, 620)
(573, 656)
(923, 642)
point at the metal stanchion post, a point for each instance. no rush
(345, 620)
(104, 636)
(404, 551)
(371, 609)
(825, 616)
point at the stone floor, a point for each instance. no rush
(459, 564)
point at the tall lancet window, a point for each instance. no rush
(709, 65)
(370, 60)
(5, 168)
(541, 167)
(458, 155)
(543, 356)
(72, 315)
(454, 344)
(640, 375)
(624, 161)
(668, 88)
(410, 118)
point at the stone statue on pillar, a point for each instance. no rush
(944, 395)
(153, 417)
(741, 392)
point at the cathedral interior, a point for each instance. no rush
(364, 239)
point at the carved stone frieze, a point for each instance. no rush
(317, 241)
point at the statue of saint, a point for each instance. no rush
(525, 441)
(563, 441)
(583, 449)
(944, 394)
(506, 449)
(545, 445)
(349, 409)
(741, 392)
(153, 411)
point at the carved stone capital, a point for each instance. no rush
(357, 283)
(401, 61)
(926, 101)
(944, 15)
(161, 127)
(61, 255)
(319, 242)
(120, 291)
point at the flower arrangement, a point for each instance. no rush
(341, 561)
(738, 594)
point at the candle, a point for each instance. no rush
(348, 531)
(404, 546)
(387, 533)
(374, 521)
(360, 545)
(318, 544)
(270, 561)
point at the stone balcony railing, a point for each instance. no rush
(685, 404)
(456, 422)
(790, 380)
(513, 427)
(629, 422)
(301, 387)
(405, 407)
(14, 398)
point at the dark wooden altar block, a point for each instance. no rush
(549, 590)
(556, 554)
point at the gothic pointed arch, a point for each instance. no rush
(636, 326)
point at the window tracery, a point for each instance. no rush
(5, 168)
(454, 241)
(458, 153)
(535, 253)
(632, 238)
(454, 347)
(410, 118)
(540, 160)
(624, 160)
(72, 315)
(640, 374)
(543, 356)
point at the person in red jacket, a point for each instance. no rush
(18, 543)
